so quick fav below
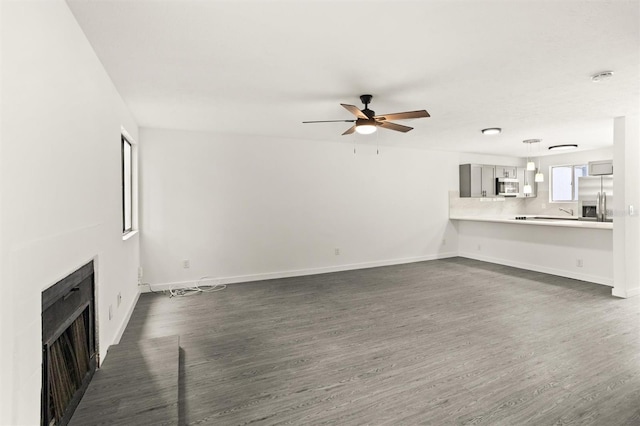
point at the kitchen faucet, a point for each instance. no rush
(570, 211)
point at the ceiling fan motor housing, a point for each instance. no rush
(366, 99)
(363, 122)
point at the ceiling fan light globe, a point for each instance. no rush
(365, 129)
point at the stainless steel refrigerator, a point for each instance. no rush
(595, 194)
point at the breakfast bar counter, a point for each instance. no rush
(537, 220)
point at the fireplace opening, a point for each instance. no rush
(68, 344)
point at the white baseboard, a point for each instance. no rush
(294, 273)
(532, 267)
(126, 319)
(633, 292)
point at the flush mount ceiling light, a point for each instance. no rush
(563, 147)
(492, 131)
(601, 76)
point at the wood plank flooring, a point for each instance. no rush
(452, 341)
(136, 385)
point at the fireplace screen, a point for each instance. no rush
(68, 345)
(68, 365)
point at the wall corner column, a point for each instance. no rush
(626, 225)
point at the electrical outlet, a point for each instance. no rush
(444, 242)
(579, 263)
(337, 252)
(544, 206)
(186, 264)
(119, 299)
(140, 272)
(110, 312)
(479, 247)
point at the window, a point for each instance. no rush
(564, 182)
(127, 186)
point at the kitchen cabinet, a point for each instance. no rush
(489, 180)
(477, 180)
(600, 168)
(507, 171)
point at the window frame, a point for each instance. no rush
(124, 140)
(574, 196)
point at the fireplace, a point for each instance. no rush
(68, 344)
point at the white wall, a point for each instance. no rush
(546, 249)
(242, 208)
(60, 189)
(497, 160)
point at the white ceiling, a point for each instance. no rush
(263, 67)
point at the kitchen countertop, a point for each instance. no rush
(548, 221)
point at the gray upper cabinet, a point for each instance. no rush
(477, 180)
(507, 171)
(600, 168)
(489, 181)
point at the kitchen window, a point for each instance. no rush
(564, 182)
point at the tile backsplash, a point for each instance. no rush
(500, 207)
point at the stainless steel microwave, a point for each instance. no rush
(507, 187)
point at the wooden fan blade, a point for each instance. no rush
(394, 126)
(330, 121)
(403, 115)
(350, 130)
(355, 111)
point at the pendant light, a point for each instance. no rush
(539, 177)
(530, 164)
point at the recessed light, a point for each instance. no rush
(491, 131)
(601, 76)
(562, 147)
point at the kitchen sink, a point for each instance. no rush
(554, 218)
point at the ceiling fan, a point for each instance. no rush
(367, 121)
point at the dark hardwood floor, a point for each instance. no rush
(136, 385)
(451, 341)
